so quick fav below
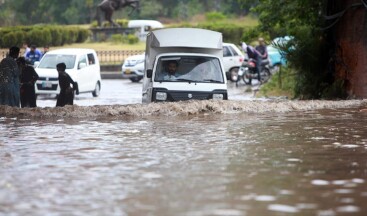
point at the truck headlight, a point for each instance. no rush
(217, 96)
(162, 96)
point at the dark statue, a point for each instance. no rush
(109, 6)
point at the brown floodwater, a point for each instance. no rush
(192, 158)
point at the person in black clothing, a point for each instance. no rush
(28, 78)
(261, 48)
(66, 96)
(254, 54)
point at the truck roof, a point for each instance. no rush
(182, 40)
(185, 37)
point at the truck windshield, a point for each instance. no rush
(51, 60)
(189, 69)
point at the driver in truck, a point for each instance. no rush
(170, 71)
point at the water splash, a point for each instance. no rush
(177, 108)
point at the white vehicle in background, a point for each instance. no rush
(133, 68)
(144, 27)
(198, 56)
(232, 60)
(81, 64)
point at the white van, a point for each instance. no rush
(198, 56)
(144, 27)
(81, 64)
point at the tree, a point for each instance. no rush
(301, 19)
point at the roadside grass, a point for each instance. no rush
(281, 84)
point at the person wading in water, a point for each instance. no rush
(28, 77)
(66, 96)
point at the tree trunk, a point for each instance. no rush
(351, 47)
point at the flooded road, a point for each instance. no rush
(123, 91)
(234, 158)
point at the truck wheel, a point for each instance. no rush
(97, 90)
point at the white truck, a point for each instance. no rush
(197, 54)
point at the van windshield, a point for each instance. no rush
(189, 69)
(51, 60)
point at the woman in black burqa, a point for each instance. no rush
(66, 96)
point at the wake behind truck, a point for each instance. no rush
(197, 54)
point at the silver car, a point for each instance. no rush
(133, 68)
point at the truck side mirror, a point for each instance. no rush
(82, 65)
(149, 73)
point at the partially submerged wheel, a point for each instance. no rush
(97, 90)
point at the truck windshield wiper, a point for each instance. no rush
(185, 80)
(211, 80)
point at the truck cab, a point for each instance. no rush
(196, 56)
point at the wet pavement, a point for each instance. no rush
(123, 91)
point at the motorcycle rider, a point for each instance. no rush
(261, 48)
(254, 54)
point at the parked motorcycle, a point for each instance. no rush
(247, 71)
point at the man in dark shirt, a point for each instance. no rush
(66, 96)
(261, 48)
(9, 79)
(28, 78)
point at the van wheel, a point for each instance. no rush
(97, 90)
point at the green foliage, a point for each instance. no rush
(10, 39)
(309, 51)
(41, 35)
(56, 35)
(124, 39)
(251, 34)
(151, 9)
(106, 24)
(336, 90)
(83, 35)
(94, 24)
(232, 32)
(214, 16)
(117, 38)
(281, 83)
(132, 39)
(16, 12)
